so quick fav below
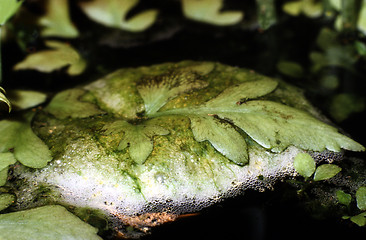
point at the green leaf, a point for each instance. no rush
(359, 219)
(293, 8)
(112, 13)
(4, 176)
(310, 8)
(60, 55)
(56, 21)
(18, 136)
(272, 125)
(326, 171)
(137, 138)
(7, 9)
(4, 102)
(304, 164)
(291, 69)
(209, 11)
(156, 91)
(5, 201)
(344, 198)
(24, 99)
(48, 222)
(67, 104)
(223, 137)
(6, 159)
(361, 198)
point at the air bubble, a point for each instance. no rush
(160, 178)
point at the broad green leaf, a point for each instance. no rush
(156, 91)
(4, 176)
(5, 201)
(8, 8)
(276, 126)
(361, 198)
(60, 55)
(68, 104)
(112, 13)
(23, 99)
(272, 125)
(4, 102)
(56, 21)
(48, 222)
(18, 136)
(359, 219)
(223, 137)
(137, 138)
(6, 159)
(326, 171)
(344, 198)
(304, 164)
(209, 11)
(235, 96)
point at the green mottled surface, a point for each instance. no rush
(173, 137)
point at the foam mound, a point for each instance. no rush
(162, 167)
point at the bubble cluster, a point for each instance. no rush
(175, 188)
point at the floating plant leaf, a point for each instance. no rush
(18, 136)
(208, 11)
(5, 201)
(304, 164)
(326, 171)
(310, 8)
(222, 136)
(23, 99)
(8, 8)
(112, 13)
(344, 198)
(60, 55)
(156, 91)
(48, 222)
(56, 21)
(67, 104)
(291, 69)
(4, 176)
(361, 198)
(272, 125)
(359, 219)
(6, 159)
(4, 102)
(138, 138)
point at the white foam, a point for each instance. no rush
(84, 182)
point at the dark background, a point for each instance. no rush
(271, 215)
